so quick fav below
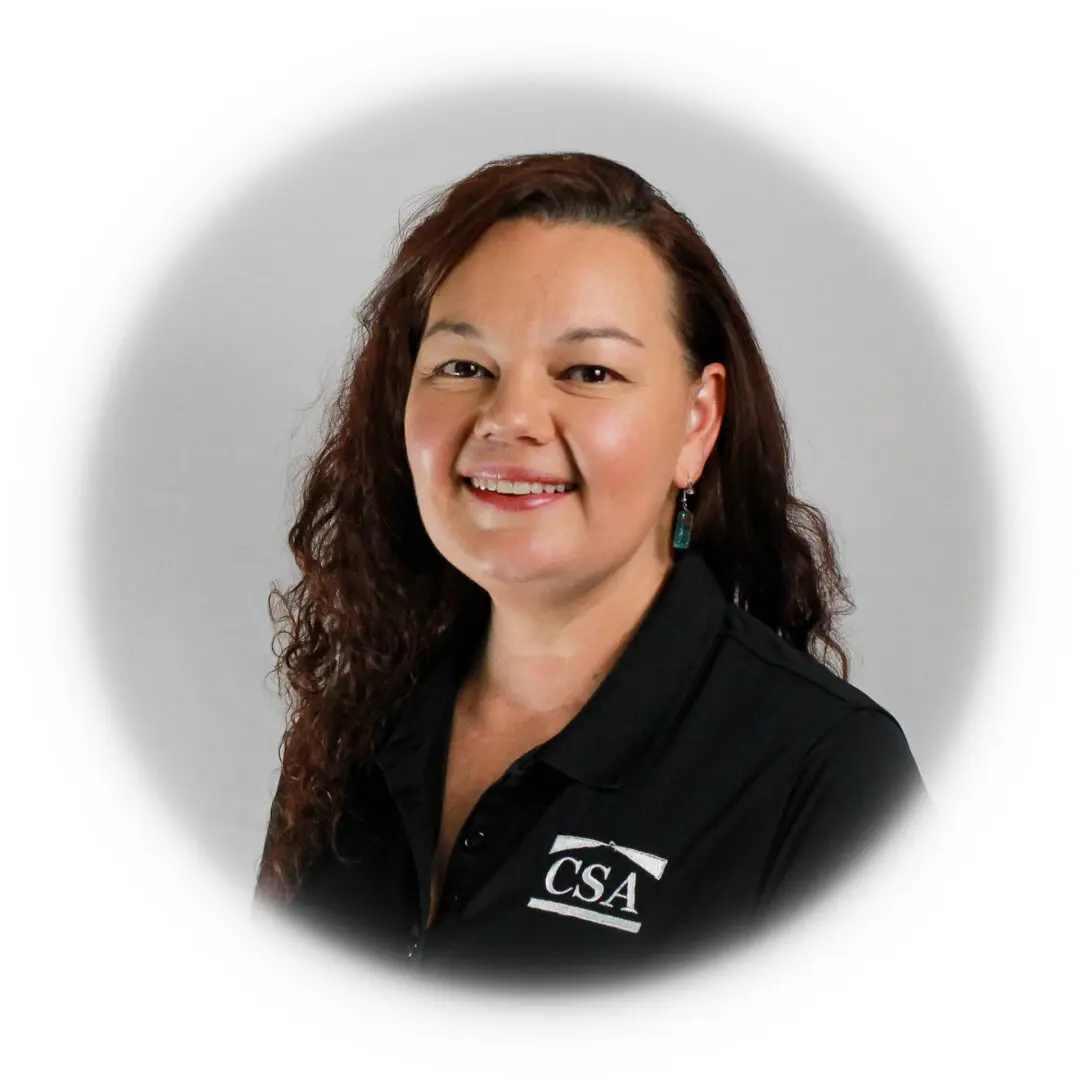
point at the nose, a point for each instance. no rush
(516, 407)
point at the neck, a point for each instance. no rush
(543, 657)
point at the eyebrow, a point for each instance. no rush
(567, 337)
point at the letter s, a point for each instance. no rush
(589, 878)
(549, 880)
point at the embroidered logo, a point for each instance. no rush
(593, 883)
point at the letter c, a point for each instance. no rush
(549, 881)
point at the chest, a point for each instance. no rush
(476, 759)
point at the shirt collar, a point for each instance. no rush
(651, 681)
(653, 678)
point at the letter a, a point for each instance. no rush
(630, 885)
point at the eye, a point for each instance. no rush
(472, 364)
(592, 370)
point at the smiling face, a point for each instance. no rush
(510, 374)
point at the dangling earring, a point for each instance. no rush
(683, 521)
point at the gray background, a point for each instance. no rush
(188, 497)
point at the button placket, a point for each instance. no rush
(473, 840)
(413, 951)
(465, 869)
(460, 874)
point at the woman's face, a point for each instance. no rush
(522, 386)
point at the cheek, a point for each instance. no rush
(626, 452)
(429, 438)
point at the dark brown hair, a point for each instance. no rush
(375, 597)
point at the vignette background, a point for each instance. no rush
(132, 127)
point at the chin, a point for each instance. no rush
(501, 565)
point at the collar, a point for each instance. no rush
(651, 681)
(653, 678)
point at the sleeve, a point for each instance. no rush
(850, 785)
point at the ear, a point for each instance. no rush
(708, 396)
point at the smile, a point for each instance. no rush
(520, 496)
(520, 487)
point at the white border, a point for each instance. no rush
(126, 124)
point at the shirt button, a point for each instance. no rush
(414, 948)
(473, 840)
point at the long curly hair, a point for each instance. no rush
(375, 598)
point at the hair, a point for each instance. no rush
(375, 598)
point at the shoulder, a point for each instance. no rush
(827, 764)
(768, 708)
(861, 762)
(848, 788)
(838, 739)
(763, 654)
(777, 698)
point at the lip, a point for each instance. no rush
(514, 503)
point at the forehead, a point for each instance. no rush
(526, 274)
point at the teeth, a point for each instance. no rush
(520, 487)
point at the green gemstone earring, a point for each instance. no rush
(684, 520)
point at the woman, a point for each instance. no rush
(553, 703)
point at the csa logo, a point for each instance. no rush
(595, 883)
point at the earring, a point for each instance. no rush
(683, 521)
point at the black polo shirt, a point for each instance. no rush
(716, 777)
